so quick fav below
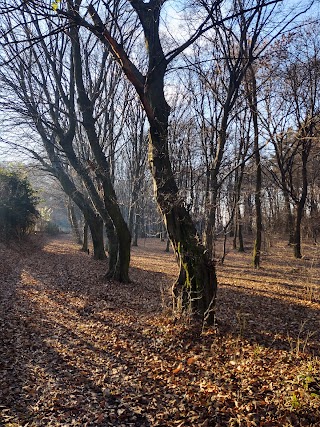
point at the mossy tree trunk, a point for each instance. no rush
(195, 288)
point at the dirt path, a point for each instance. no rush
(79, 352)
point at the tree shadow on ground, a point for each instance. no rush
(27, 353)
(85, 351)
(269, 321)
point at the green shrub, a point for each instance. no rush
(18, 203)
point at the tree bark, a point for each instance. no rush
(240, 235)
(297, 231)
(210, 230)
(289, 217)
(195, 289)
(253, 102)
(136, 229)
(306, 144)
(113, 251)
(73, 221)
(85, 237)
(95, 224)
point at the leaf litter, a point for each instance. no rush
(77, 351)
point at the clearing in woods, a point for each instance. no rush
(79, 352)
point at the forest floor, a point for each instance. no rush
(75, 351)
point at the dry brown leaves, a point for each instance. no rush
(76, 351)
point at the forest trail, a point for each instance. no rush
(76, 351)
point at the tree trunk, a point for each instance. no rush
(198, 277)
(210, 229)
(132, 214)
(314, 219)
(297, 231)
(306, 144)
(224, 252)
(136, 230)
(197, 283)
(213, 184)
(240, 235)
(289, 217)
(90, 216)
(195, 289)
(253, 102)
(85, 237)
(238, 230)
(73, 221)
(235, 229)
(113, 250)
(96, 230)
(167, 246)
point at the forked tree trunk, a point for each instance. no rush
(93, 220)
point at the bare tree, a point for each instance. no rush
(196, 285)
(298, 78)
(58, 126)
